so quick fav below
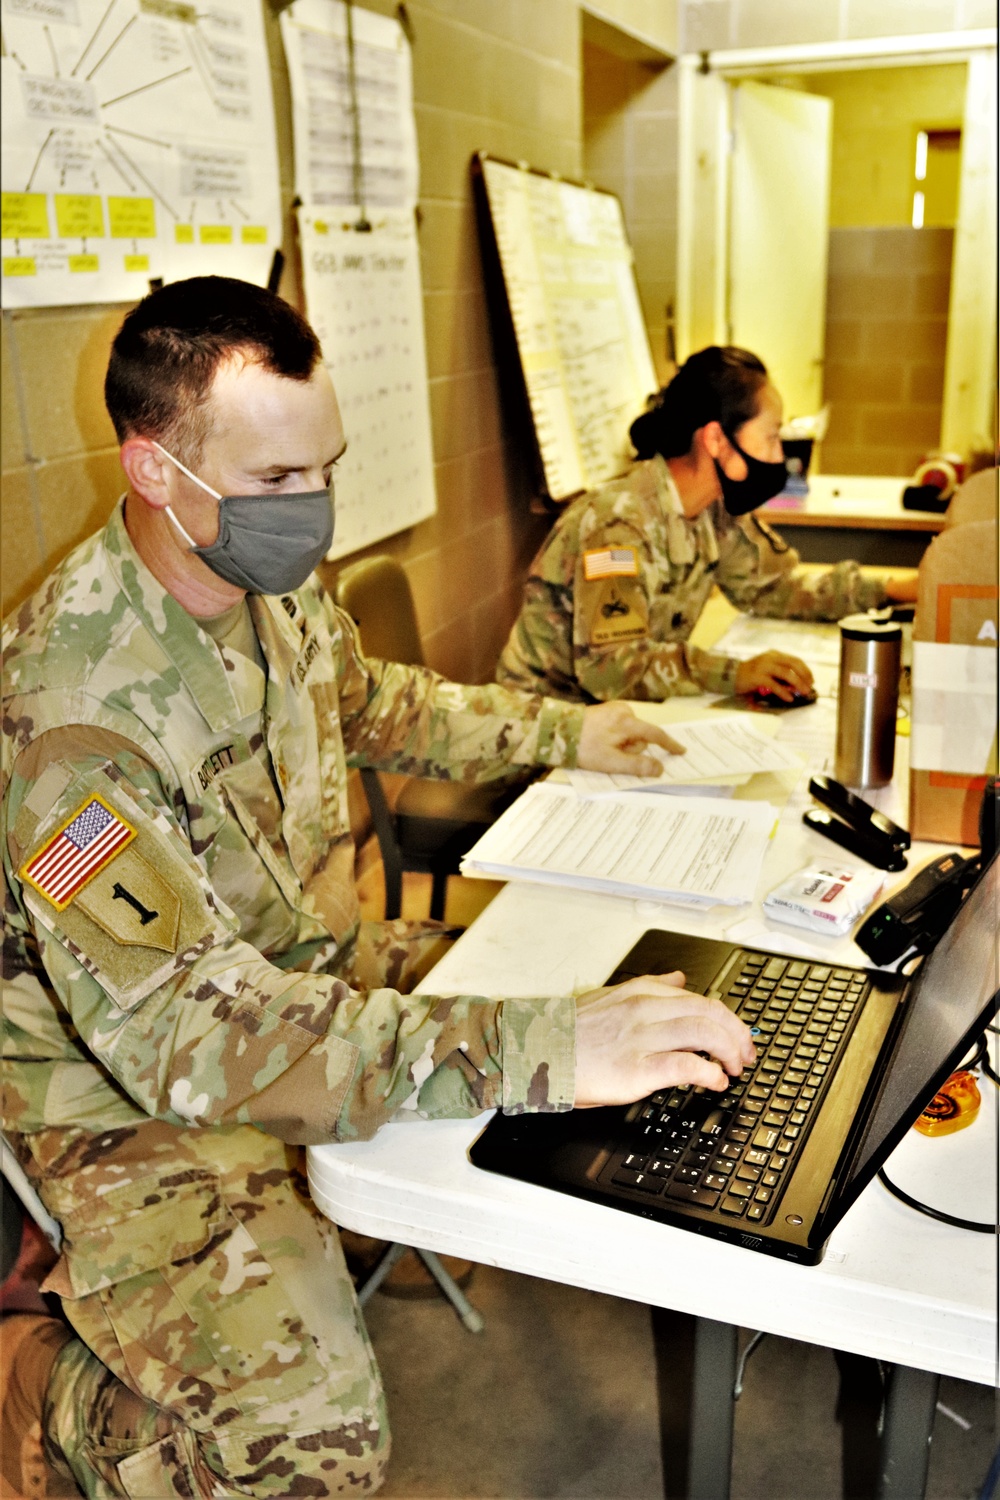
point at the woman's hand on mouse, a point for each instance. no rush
(776, 672)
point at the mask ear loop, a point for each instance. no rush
(200, 482)
(192, 544)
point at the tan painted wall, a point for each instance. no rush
(503, 75)
(876, 116)
(886, 327)
(707, 24)
(630, 147)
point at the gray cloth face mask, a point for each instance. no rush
(267, 544)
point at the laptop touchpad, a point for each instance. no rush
(700, 959)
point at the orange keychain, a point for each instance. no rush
(955, 1105)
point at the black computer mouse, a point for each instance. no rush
(771, 700)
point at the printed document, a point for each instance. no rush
(696, 850)
(725, 750)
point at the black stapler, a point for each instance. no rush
(855, 826)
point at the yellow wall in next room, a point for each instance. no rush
(877, 114)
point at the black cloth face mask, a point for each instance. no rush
(763, 482)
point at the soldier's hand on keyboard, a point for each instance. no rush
(647, 1034)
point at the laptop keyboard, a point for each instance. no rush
(733, 1152)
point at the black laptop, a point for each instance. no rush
(846, 1060)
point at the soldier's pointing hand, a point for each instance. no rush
(613, 739)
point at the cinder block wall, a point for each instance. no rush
(707, 24)
(886, 329)
(630, 147)
(502, 75)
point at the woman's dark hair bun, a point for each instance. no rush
(719, 384)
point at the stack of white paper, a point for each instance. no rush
(725, 750)
(694, 850)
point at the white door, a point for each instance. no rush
(779, 234)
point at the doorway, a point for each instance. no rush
(907, 348)
(893, 211)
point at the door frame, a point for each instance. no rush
(704, 148)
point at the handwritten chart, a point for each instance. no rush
(356, 164)
(584, 351)
(364, 300)
(138, 142)
(347, 92)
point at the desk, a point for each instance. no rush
(850, 515)
(893, 1285)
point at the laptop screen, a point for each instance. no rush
(949, 1002)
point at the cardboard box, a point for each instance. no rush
(953, 745)
(975, 500)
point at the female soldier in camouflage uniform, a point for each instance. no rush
(617, 588)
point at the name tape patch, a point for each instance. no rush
(82, 847)
(610, 562)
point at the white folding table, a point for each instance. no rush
(894, 1285)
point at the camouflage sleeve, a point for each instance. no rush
(408, 719)
(760, 573)
(197, 1027)
(615, 652)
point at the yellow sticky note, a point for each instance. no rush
(83, 262)
(137, 262)
(18, 265)
(25, 216)
(79, 216)
(184, 234)
(254, 234)
(216, 234)
(132, 218)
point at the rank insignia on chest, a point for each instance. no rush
(81, 849)
(610, 562)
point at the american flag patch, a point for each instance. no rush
(610, 562)
(94, 835)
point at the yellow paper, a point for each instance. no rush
(132, 218)
(79, 216)
(25, 216)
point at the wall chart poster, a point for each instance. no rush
(138, 142)
(571, 290)
(352, 106)
(364, 301)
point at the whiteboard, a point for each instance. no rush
(582, 344)
(364, 300)
(138, 142)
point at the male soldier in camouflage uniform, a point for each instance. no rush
(189, 995)
(619, 584)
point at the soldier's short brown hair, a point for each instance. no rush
(165, 355)
(719, 384)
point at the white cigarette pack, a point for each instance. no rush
(824, 899)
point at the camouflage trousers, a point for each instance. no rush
(221, 1349)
